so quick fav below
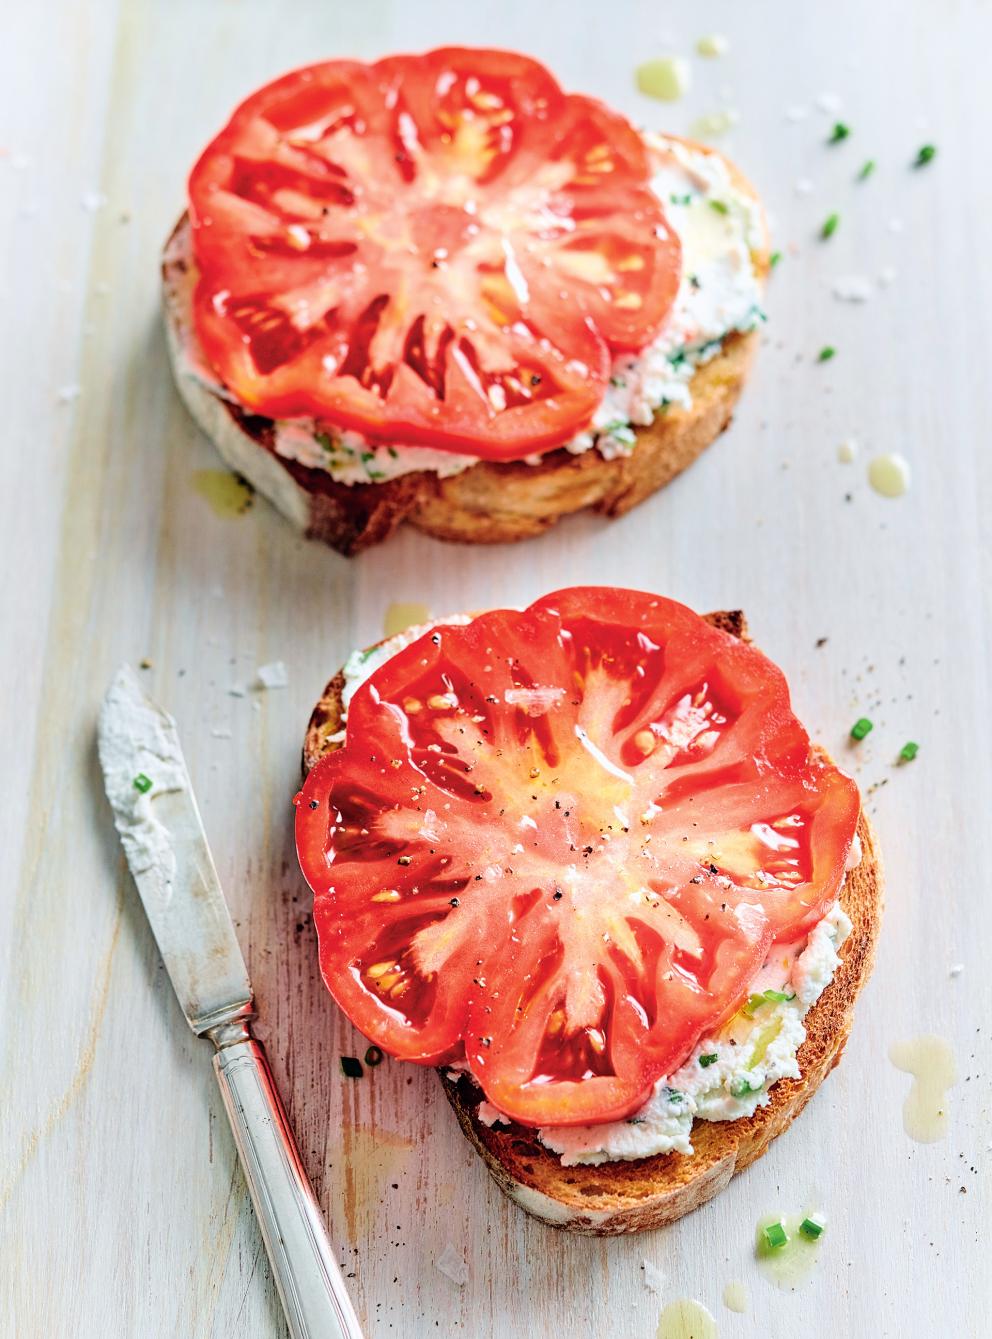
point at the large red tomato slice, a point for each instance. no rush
(441, 249)
(566, 838)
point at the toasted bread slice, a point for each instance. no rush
(487, 503)
(634, 1196)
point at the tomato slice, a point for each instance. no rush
(562, 841)
(438, 250)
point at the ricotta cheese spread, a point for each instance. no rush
(720, 227)
(727, 1076)
(141, 760)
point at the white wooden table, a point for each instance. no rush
(122, 1210)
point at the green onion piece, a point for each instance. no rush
(830, 226)
(719, 206)
(826, 353)
(143, 783)
(809, 1227)
(351, 1067)
(707, 1060)
(908, 752)
(775, 1235)
(374, 1056)
(743, 1087)
(774, 258)
(839, 132)
(923, 157)
(867, 170)
(861, 727)
(755, 1002)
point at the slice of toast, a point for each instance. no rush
(633, 1196)
(488, 503)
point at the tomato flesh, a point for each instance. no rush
(440, 250)
(560, 842)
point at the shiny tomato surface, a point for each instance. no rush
(439, 250)
(561, 842)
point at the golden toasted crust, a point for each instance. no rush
(488, 503)
(634, 1196)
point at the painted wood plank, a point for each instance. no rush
(121, 1207)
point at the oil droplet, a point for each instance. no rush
(402, 615)
(713, 124)
(712, 45)
(787, 1266)
(930, 1060)
(225, 493)
(889, 475)
(685, 1319)
(667, 78)
(847, 451)
(735, 1298)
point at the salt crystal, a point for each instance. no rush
(828, 102)
(653, 1278)
(273, 675)
(852, 288)
(451, 1263)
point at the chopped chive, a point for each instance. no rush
(867, 170)
(707, 1060)
(743, 1087)
(719, 206)
(681, 199)
(351, 1067)
(839, 132)
(775, 1235)
(826, 353)
(861, 727)
(925, 154)
(143, 783)
(908, 752)
(374, 1056)
(774, 258)
(755, 1002)
(830, 226)
(809, 1227)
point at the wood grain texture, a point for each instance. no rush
(122, 1211)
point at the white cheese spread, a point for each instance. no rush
(721, 228)
(141, 760)
(725, 1077)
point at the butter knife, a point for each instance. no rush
(159, 823)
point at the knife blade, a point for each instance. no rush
(157, 817)
(156, 814)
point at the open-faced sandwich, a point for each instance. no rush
(584, 859)
(439, 290)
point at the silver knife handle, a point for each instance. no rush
(310, 1283)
